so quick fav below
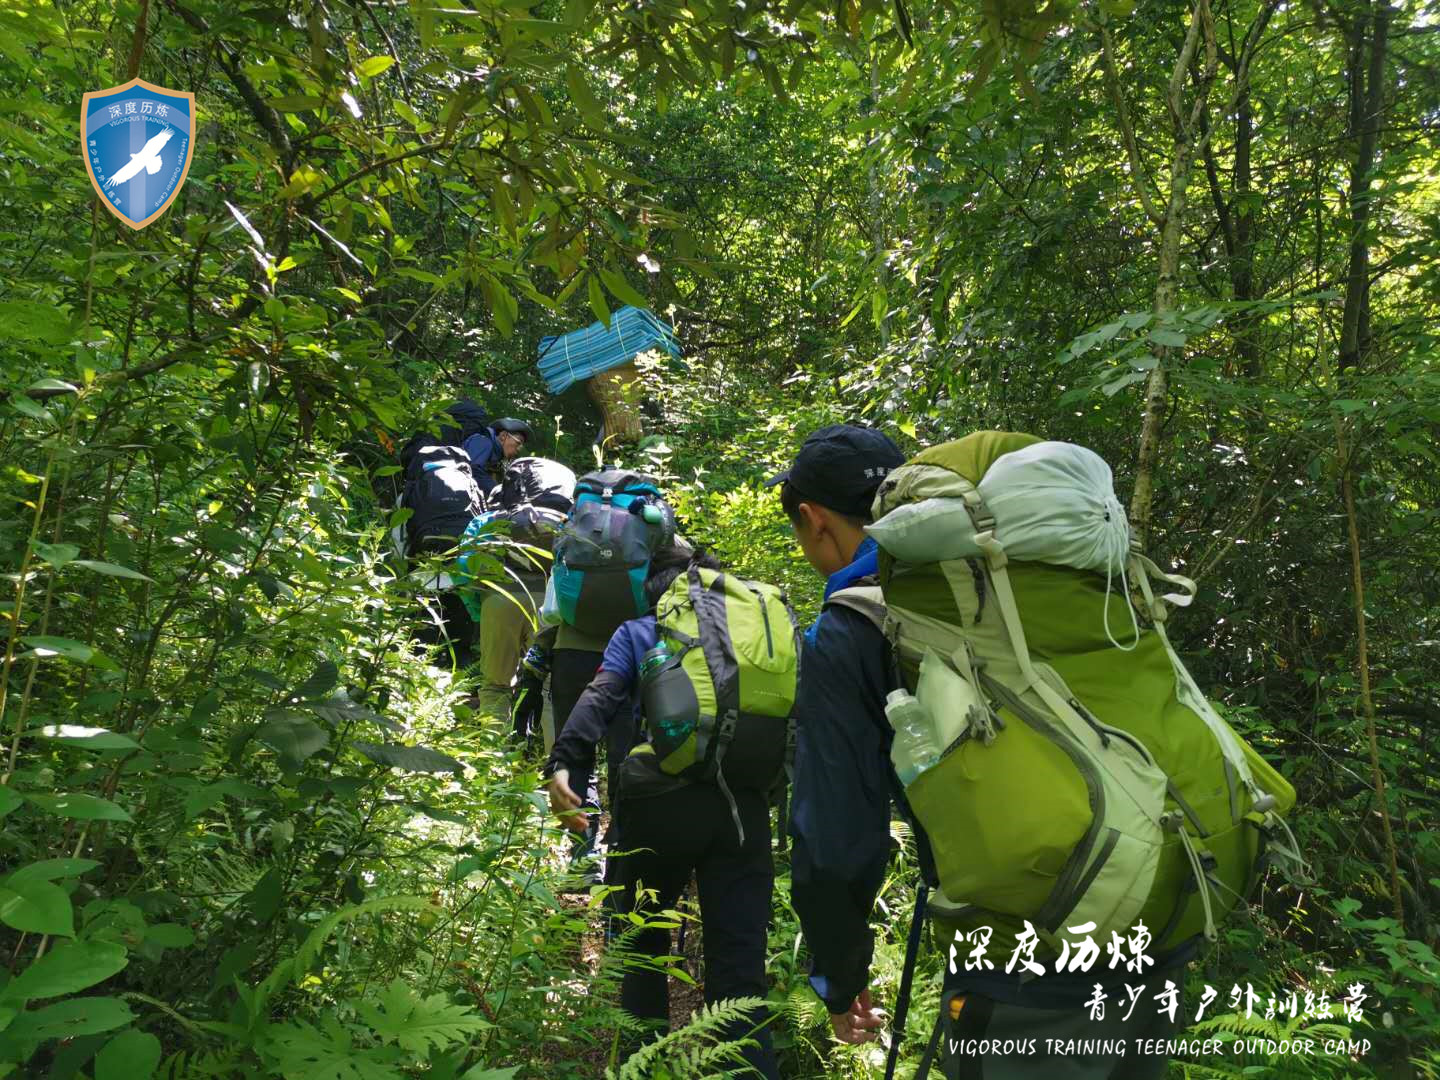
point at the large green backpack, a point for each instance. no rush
(721, 707)
(1083, 777)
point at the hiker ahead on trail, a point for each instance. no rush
(715, 672)
(525, 515)
(1066, 780)
(491, 447)
(602, 561)
(451, 472)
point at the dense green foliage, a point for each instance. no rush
(251, 829)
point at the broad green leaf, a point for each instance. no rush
(597, 300)
(53, 386)
(536, 28)
(169, 936)
(621, 289)
(197, 802)
(67, 969)
(583, 99)
(485, 1072)
(81, 807)
(29, 320)
(265, 898)
(321, 680)
(1171, 339)
(471, 863)
(302, 1050)
(9, 800)
(409, 758)
(66, 1019)
(92, 738)
(342, 713)
(50, 869)
(296, 102)
(111, 569)
(292, 736)
(1128, 379)
(420, 275)
(46, 645)
(375, 65)
(57, 555)
(131, 1055)
(33, 409)
(37, 907)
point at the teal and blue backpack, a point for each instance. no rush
(603, 554)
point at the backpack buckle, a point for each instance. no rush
(979, 512)
(983, 723)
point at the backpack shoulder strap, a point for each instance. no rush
(863, 597)
(866, 598)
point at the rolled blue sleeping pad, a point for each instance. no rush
(566, 359)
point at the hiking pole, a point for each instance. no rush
(902, 1003)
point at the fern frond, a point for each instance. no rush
(671, 1053)
(418, 1024)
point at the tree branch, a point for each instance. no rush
(1127, 130)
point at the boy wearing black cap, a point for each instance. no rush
(840, 803)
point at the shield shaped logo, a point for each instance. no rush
(137, 139)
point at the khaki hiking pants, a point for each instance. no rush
(506, 626)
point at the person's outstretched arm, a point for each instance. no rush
(610, 691)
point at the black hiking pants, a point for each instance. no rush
(668, 837)
(570, 672)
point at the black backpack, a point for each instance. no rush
(440, 488)
(469, 418)
(535, 497)
(537, 481)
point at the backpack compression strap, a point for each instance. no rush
(714, 633)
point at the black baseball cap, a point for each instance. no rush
(841, 466)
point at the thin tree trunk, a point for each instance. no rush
(1362, 661)
(1367, 100)
(1188, 126)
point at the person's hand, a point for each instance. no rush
(563, 800)
(860, 1023)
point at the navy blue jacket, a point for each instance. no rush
(484, 450)
(840, 805)
(840, 814)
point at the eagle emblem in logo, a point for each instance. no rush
(138, 141)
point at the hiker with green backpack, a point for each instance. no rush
(714, 672)
(978, 662)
